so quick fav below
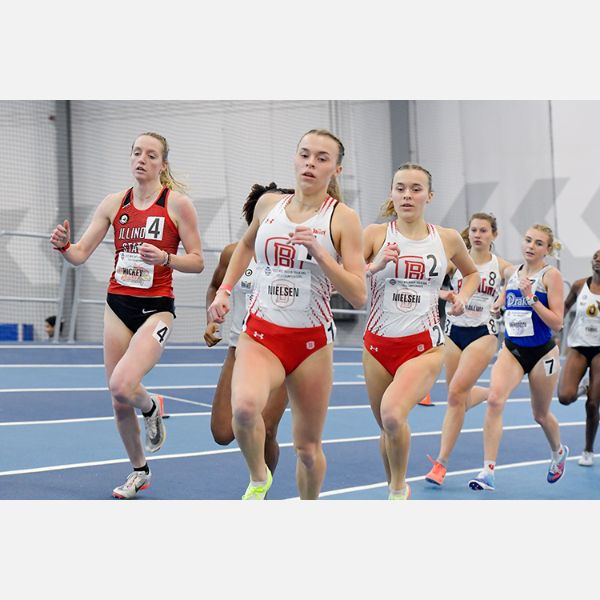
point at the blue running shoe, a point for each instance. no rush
(483, 481)
(557, 469)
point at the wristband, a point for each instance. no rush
(368, 273)
(227, 288)
(64, 248)
(167, 260)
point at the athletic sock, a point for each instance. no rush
(489, 466)
(556, 456)
(145, 468)
(149, 413)
(397, 492)
(258, 483)
(443, 462)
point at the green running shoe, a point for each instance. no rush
(259, 492)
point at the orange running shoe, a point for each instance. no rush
(437, 474)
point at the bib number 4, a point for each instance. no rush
(161, 333)
(154, 228)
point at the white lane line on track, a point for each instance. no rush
(112, 462)
(148, 387)
(50, 345)
(105, 389)
(286, 445)
(94, 419)
(157, 366)
(422, 477)
(195, 414)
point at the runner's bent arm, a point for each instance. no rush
(217, 279)
(183, 214)
(457, 252)
(349, 277)
(78, 253)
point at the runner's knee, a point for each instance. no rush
(245, 412)
(457, 397)
(308, 454)
(567, 398)
(122, 388)
(393, 423)
(495, 403)
(222, 435)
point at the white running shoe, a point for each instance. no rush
(155, 428)
(587, 459)
(584, 386)
(136, 481)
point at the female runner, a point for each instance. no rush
(305, 244)
(471, 338)
(584, 343)
(533, 294)
(149, 221)
(220, 422)
(404, 342)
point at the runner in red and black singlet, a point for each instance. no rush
(148, 220)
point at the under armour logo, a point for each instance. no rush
(260, 335)
(376, 349)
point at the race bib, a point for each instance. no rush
(285, 289)
(476, 305)
(591, 331)
(132, 271)
(518, 323)
(398, 297)
(154, 228)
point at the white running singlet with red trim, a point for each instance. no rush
(291, 289)
(477, 309)
(404, 296)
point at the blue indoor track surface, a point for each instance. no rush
(58, 439)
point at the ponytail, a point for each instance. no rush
(168, 180)
(333, 189)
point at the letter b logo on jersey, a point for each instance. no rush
(279, 253)
(414, 269)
